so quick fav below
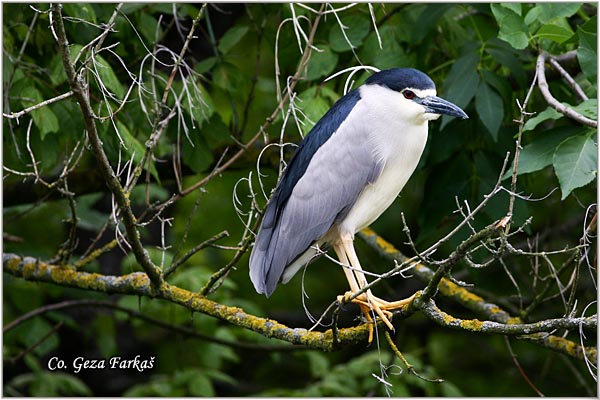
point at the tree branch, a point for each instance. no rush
(138, 284)
(431, 310)
(477, 304)
(545, 90)
(108, 174)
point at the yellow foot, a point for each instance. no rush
(367, 302)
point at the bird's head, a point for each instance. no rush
(418, 97)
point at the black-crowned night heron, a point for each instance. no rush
(343, 176)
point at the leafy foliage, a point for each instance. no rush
(238, 69)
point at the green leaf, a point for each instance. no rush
(205, 65)
(130, 8)
(196, 153)
(201, 386)
(548, 113)
(54, 384)
(87, 216)
(159, 7)
(575, 163)
(587, 54)
(506, 55)
(550, 10)
(588, 108)
(74, 49)
(389, 54)
(321, 63)
(313, 107)
(356, 29)
(317, 362)
(57, 70)
(108, 77)
(216, 134)
(462, 82)
(515, 7)
(512, 27)
(31, 335)
(228, 77)
(80, 10)
(427, 20)
(559, 32)
(533, 16)
(588, 60)
(43, 117)
(104, 335)
(231, 38)
(498, 82)
(540, 153)
(490, 108)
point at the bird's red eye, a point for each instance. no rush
(408, 94)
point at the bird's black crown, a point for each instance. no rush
(399, 79)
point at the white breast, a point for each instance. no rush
(398, 138)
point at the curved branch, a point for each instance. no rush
(545, 90)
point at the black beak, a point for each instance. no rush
(437, 105)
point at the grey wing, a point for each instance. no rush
(337, 174)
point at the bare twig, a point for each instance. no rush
(521, 123)
(567, 77)
(558, 106)
(193, 251)
(513, 356)
(411, 369)
(160, 126)
(44, 103)
(41, 340)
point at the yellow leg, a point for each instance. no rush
(357, 280)
(354, 287)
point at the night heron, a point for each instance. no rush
(344, 174)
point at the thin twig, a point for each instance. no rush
(37, 343)
(409, 367)
(513, 356)
(193, 251)
(521, 123)
(44, 103)
(160, 126)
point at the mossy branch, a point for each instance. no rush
(138, 283)
(498, 320)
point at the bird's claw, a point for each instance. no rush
(368, 302)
